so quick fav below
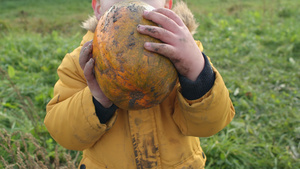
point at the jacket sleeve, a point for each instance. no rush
(71, 119)
(193, 90)
(207, 115)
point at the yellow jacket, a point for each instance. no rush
(164, 136)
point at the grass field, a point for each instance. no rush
(255, 45)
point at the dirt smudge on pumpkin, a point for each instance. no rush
(135, 95)
(116, 27)
(119, 58)
(131, 41)
(120, 55)
(150, 60)
(131, 44)
(115, 43)
(152, 89)
(132, 8)
(106, 24)
(116, 17)
(156, 95)
(116, 14)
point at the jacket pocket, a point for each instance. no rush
(195, 161)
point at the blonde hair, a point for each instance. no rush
(99, 1)
(180, 8)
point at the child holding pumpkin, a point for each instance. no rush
(80, 117)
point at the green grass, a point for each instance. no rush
(254, 44)
(44, 16)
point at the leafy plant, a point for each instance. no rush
(25, 151)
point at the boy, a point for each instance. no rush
(80, 117)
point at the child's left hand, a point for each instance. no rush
(178, 43)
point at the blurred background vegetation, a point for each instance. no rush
(254, 44)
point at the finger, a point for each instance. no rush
(163, 49)
(86, 46)
(157, 32)
(85, 53)
(88, 70)
(171, 14)
(162, 20)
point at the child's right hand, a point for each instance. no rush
(87, 63)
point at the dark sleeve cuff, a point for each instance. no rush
(104, 114)
(193, 90)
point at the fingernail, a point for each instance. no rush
(147, 44)
(140, 27)
(91, 61)
(90, 46)
(146, 12)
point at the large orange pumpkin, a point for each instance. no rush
(129, 75)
